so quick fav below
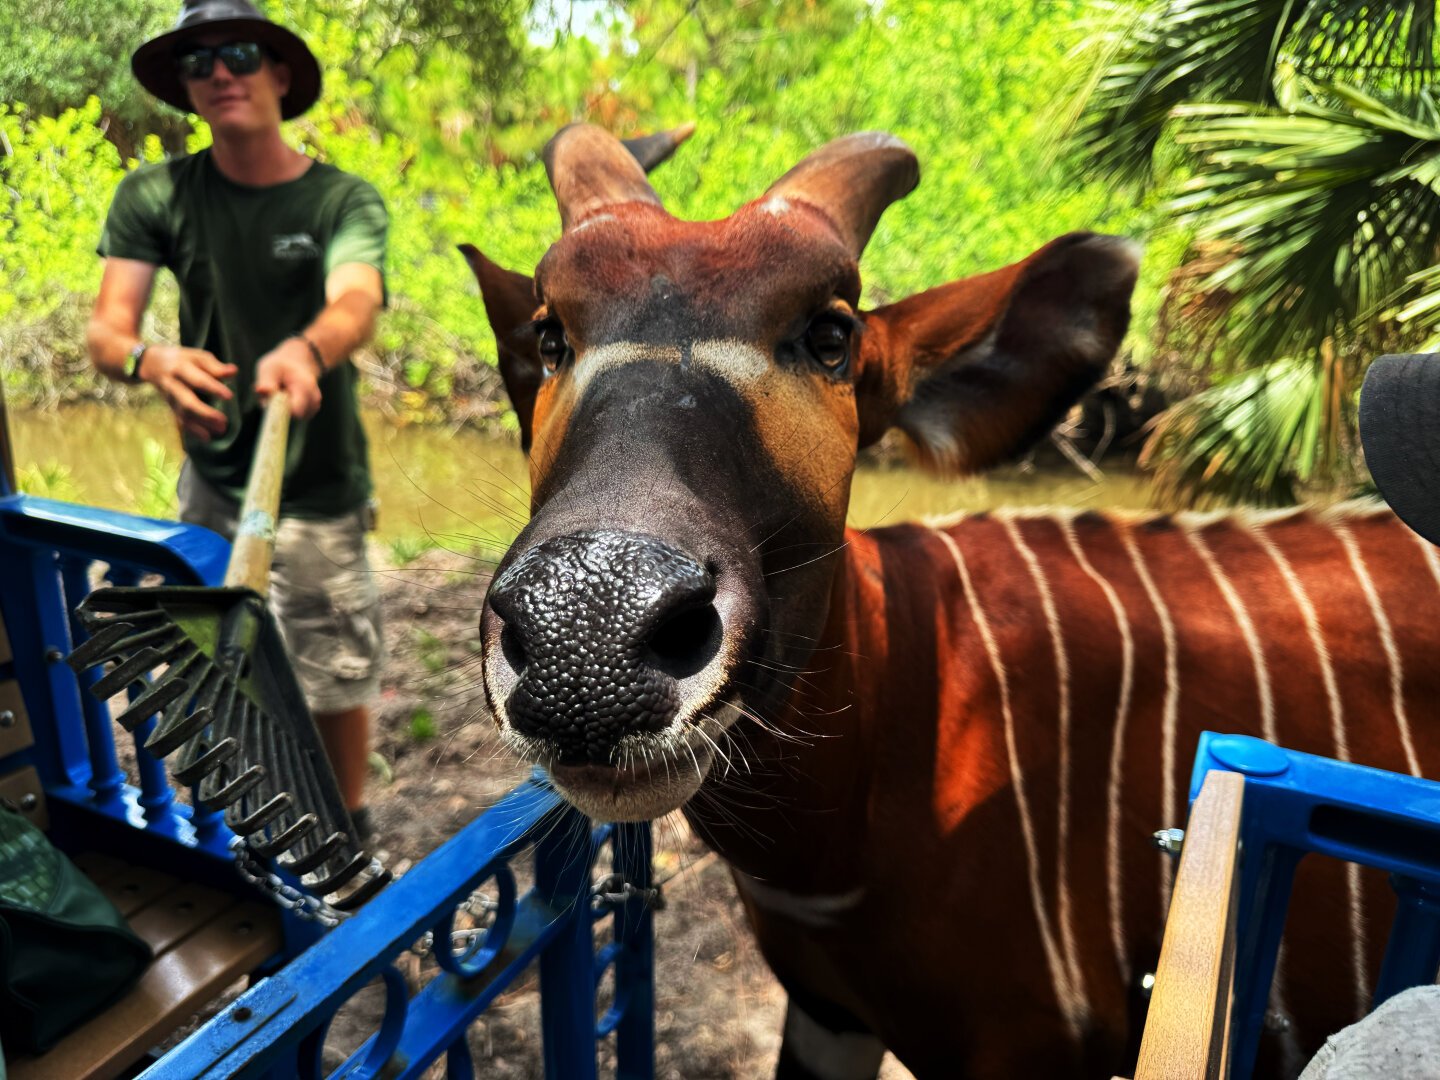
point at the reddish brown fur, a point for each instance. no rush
(909, 790)
(901, 792)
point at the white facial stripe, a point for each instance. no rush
(737, 362)
(596, 220)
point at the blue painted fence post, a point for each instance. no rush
(567, 982)
(635, 965)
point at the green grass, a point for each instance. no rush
(404, 550)
(433, 652)
(49, 480)
(422, 726)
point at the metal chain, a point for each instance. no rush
(460, 940)
(615, 889)
(300, 903)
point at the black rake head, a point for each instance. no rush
(209, 663)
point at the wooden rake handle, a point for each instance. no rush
(254, 546)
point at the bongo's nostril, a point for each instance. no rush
(683, 643)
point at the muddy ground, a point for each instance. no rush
(437, 765)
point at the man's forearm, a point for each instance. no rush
(109, 347)
(345, 324)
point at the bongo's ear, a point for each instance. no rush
(510, 305)
(977, 370)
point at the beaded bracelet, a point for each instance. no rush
(315, 353)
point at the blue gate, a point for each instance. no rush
(48, 556)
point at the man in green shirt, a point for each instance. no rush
(280, 262)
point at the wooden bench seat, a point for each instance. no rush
(203, 940)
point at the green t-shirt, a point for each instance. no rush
(252, 263)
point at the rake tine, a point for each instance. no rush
(223, 785)
(128, 672)
(198, 761)
(337, 880)
(235, 788)
(306, 782)
(314, 860)
(268, 849)
(261, 817)
(154, 636)
(99, 646)
(250, 734)
(363, 893)
(229, 720)
(164, 691)
(120, 604)
(174, 732)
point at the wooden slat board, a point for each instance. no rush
(203, 940)
(97, 867)
(15, 733)
(15, 787)
(135, 887)
(1187, 1029)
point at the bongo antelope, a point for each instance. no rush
(932, 754)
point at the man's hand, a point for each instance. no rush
(290, 366)
(182, 375)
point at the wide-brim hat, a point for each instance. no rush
(1400, 431)
(154, 62)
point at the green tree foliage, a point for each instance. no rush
(58, 54)
(413, 102)
(1295, 146)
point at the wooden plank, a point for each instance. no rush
(22, 789)
(171, 990)
(99, 867)
(135, 886)
(5, 654)
(1187, 1029)
(172, 918)
(15, 733)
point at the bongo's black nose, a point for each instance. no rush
(598, 628)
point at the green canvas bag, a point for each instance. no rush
(65, 952)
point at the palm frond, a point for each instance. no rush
(1258, 438)
(1328, 212)
(1177, 51)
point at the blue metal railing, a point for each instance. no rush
(1296, 804)
(277, 1029)
(47, 552)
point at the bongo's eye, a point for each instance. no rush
(554, 346)
(828, 341)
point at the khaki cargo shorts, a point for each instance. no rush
(323, 594)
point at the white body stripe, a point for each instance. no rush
(1170, 710)
(1062, 669)
(1247, 631)
(1117, 749)
(1317, 639)
(1059, 977)
(1387, 642)
(1342, 744)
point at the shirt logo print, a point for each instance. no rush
(294, 247)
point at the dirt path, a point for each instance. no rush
(438, 765)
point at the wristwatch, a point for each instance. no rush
(132, 362)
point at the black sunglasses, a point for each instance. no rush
(240, 58)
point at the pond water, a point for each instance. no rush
(458, 488)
